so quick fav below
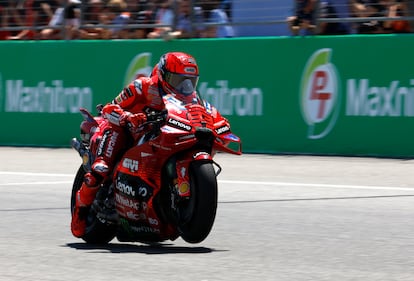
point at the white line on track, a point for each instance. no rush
(35, 174)
(271, 183)
(35, 183)
(298, 184)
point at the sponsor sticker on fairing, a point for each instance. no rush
(222, 130)
(179, 124)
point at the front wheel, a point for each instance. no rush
(202, 205)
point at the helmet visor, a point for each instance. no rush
(184, 84)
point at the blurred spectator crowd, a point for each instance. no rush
(338, 17)
(169, 19)
(113, 19)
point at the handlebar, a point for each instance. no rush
(155, 119)
(157, 116)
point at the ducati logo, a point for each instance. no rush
(320, 101)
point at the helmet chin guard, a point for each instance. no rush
(178, 73)
(186, 87)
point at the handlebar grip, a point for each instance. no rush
(155, 116)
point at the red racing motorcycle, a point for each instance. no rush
(165, 185)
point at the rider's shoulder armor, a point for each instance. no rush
(141, 93)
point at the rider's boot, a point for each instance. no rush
(83, 199)
(110, 146)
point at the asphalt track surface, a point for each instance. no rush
(279, 218)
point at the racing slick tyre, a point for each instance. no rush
(200, 211)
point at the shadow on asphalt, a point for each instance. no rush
(153, 249)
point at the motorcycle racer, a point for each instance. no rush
(177, 74)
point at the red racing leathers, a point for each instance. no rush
(140, 96)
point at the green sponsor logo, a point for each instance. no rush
(139, 66)
(43, 97)
(320, 97)
(394, 100)
(233, 101)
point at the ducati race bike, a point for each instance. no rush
(164, 186)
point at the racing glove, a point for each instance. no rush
(132, 120)
(116, 115)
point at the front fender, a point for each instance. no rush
(183, 167)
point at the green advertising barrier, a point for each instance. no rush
(348, 95)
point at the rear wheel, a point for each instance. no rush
(97, 232)
(200, 211)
